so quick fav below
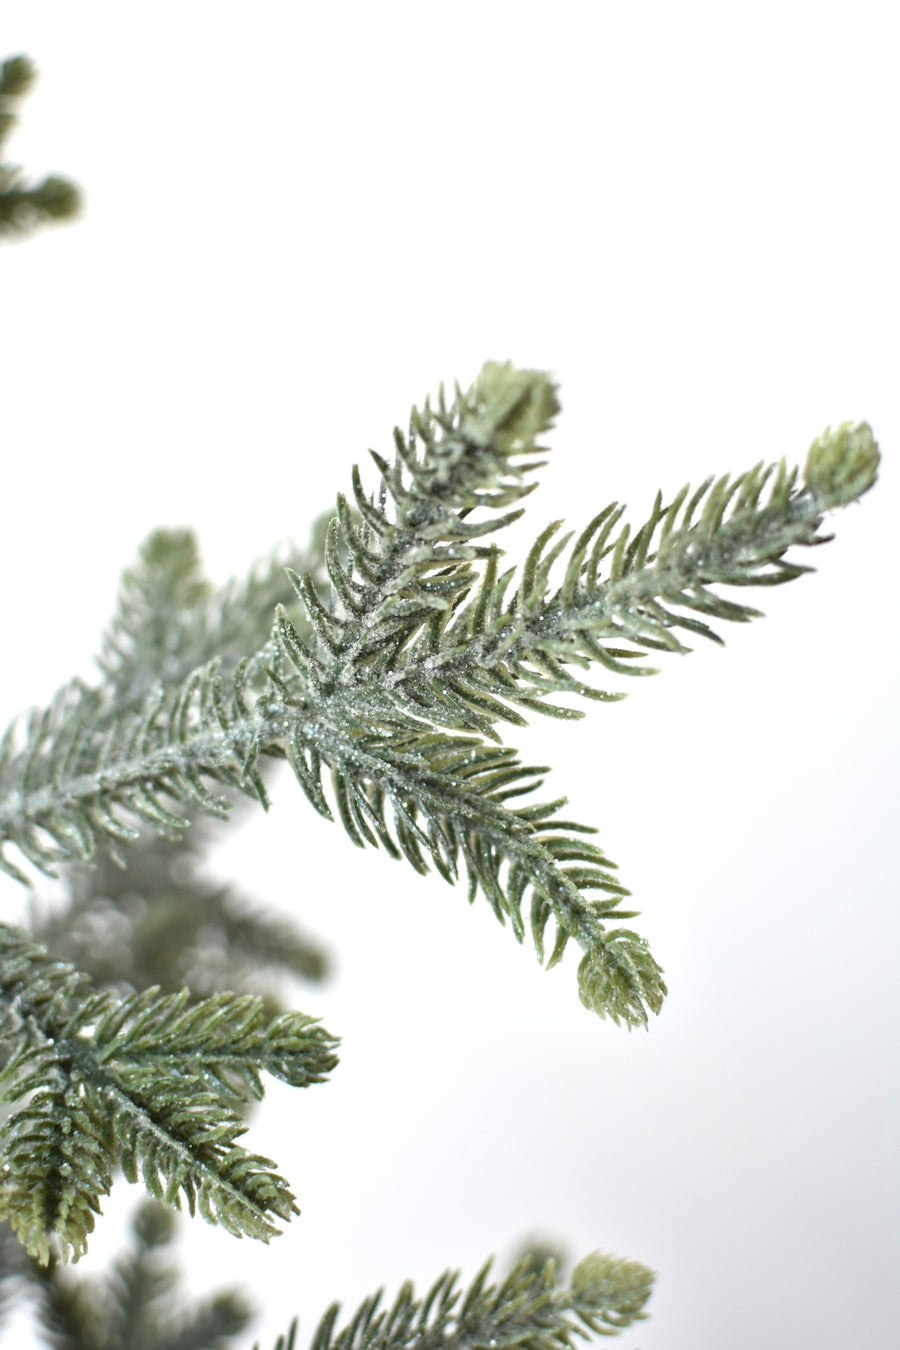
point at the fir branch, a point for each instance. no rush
(527, 1309)
(132, 1308)
(458, 786)
(72, 780)
(68, 1319)
(513, 640)
(22, 205)
(159, 630)
(67, 778)
(169, 620)
(162, 922)
(448, 801)
(149, 1082)
(392, 572)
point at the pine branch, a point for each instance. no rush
(460, 660)
(24, 206)
(162, 922)
(160, 628)
(140, 1283)
(390, 573)
(65, 777)
(68, 1319)
(151, 1083)
(68, 777)
(134, 1307)
(172, 650)
(73, 780)
(169, 620)
(527, 1309)
(448, 801)
(457, 785)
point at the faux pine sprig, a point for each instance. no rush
(170, 621)
(152, 1083)
(416, 649)
(24, 205)
(133, 1308)
(515, 637)
(527, 1309)
(164, 922)
(398, 649)
(137, 1305)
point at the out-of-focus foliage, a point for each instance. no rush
(24, 204)
(138, 1306)
(164, 922)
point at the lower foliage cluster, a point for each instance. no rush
(381, 664)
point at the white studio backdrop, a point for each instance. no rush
(299, 220)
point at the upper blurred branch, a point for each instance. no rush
(23, 204)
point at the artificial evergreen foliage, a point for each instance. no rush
(149, 1083)
(383, 663)
(528, 1308)
(135, 1308)
(418, 648)
(414, 648)
(24, 205)
(162, 922)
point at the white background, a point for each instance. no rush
(300, 218)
